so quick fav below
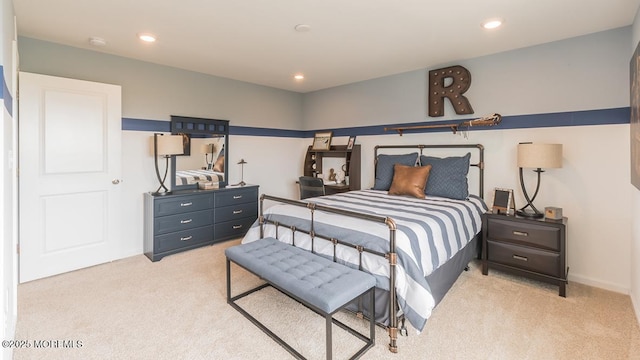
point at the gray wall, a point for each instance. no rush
(154, 92)
(583, 73)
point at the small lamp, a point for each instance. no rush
(208, 149)
(537, 156)
(165, 146)
(241, 163)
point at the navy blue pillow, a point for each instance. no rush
(448, 177)
(384, 168)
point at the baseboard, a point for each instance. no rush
(599, 284)
(635, 302)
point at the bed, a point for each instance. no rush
(188, 177)
(415, 240)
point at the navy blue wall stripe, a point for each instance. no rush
(570, 118)
(146, 125)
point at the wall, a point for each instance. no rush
(8, 180)
(572, 89)
(561, 85)
(635, 211)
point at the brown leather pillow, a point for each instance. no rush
(409, 180)
(219, 166)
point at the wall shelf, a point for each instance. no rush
(313, 162)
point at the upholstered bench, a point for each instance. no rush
(317, 282)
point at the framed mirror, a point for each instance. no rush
(206, 147)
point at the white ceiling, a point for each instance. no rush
(349, 40)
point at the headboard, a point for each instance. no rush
(477, 156)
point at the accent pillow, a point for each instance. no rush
(384, 168)
(219, 166)
(409, 180)
(448, 177)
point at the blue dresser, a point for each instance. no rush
(189, 219)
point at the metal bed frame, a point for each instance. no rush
(391, 255)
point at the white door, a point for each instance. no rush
(70, 168)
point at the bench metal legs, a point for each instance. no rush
(329, 320)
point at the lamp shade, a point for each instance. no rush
(169, 145)
(541, 156)
(207, 148)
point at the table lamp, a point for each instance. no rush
(241, 163)
(539, 157)
(165, 146)
(208, 149)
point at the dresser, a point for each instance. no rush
(189, 219)
(533, 248)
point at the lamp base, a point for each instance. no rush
(158, 193)
(530, 215)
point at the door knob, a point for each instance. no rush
(115, 181)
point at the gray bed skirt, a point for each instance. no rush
(440, 281)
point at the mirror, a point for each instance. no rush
(205, 161)
(205, 144)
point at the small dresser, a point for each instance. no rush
(189, 219)
(536, 249)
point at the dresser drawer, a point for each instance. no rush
(540, 261)
(183, 238)
(184, 221)
(234, 228)
(236, 196)
(540, 236)
(182, 204)
(228, 213)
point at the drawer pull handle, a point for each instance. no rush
(237, 196)
(236, 212)
(520, 233)
(186, 238)
(518, 257)
(186, 221)
(186, 204)
(236, 227)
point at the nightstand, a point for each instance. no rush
(534, 248)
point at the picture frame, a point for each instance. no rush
(503, 201)
(322, 140)
(351, 142)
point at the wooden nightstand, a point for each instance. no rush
(533, 248)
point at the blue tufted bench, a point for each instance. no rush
(318, 283)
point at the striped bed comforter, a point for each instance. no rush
(187, 177)
(429, 232)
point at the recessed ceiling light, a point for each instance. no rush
(302, 28)
(146, 37)
(298, 76)
(96, 41)
(492, 23)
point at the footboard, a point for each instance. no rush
(390, 254)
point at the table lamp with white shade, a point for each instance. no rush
(165, 146)
(538, 157)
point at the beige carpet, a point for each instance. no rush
(176, 309)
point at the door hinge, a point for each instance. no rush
(18, 249)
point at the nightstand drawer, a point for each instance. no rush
(540, 261)
(184, 238)
(178, 222)
(530, 234)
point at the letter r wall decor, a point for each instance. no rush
(450, 82)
